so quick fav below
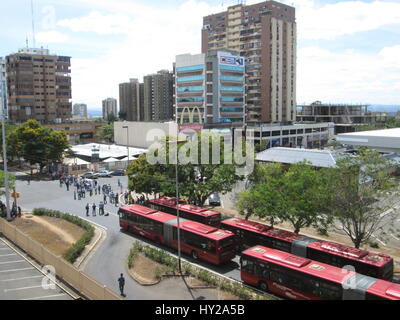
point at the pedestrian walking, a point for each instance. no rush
(121, 282)
(116, 199)
(19, 211)
(87, 210)
(29, 180)
(67, 185)
(74, 195)
(94, 209)
(101, 208)
(105, 199)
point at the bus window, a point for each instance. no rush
(247, 265)
(224, 243)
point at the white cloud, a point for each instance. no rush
(344, 18)
(154, 36)
(51, 37)
(348, 76)
(98, 23)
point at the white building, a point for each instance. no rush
(210, 89)
(386, 140)
(109, 108)
(79, 110)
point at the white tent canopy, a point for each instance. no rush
(111, 160)
(75, 161)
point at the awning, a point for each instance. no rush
(74, 161)
(111, 160)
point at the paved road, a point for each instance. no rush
(109, 259)
(20, 280)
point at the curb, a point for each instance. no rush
(89, 249)
(138, 278)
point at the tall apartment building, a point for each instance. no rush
(209, 89)
(109, 108)
(131, 100)
(265, 34)
(39, 86)
(3, 88)
(158, 96)
(80, 110)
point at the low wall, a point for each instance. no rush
(64, 270)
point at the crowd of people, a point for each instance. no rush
(87, 188)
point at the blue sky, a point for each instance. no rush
(347, 51)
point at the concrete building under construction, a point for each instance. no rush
(345, 116)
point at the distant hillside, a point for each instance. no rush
(95, 113)
(391, 109)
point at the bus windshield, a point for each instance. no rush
(224, 243)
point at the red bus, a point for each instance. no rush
(250, 233)
(299, 278)
(198, 240)
(187, 211)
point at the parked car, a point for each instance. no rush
(118, 172)
(214, 200)
(103, 173)
(89, 175)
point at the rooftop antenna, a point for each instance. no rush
(33, 25)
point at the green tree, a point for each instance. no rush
(198, 175)
(297, 195)
(11, 181)
(36, 144)
(106, 132)
(143, 177)
(363, 196)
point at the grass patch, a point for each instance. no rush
(172, 264)
(77, 248)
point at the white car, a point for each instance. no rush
(103, 173)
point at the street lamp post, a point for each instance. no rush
(5, 162)
(127, 143)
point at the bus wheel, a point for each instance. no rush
(195, 255)
(263, 286)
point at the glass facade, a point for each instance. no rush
(190, 68)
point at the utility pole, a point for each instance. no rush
(177, 198)
(3, 128)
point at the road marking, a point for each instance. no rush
(99, 225)
(43, 297)
(385, 213)
(12, 261)
(11, 270)
(23, 288)
(7, 255)
(23, 278)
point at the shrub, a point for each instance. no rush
(77, 248)
(171, 263)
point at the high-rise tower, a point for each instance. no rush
(264, 34)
